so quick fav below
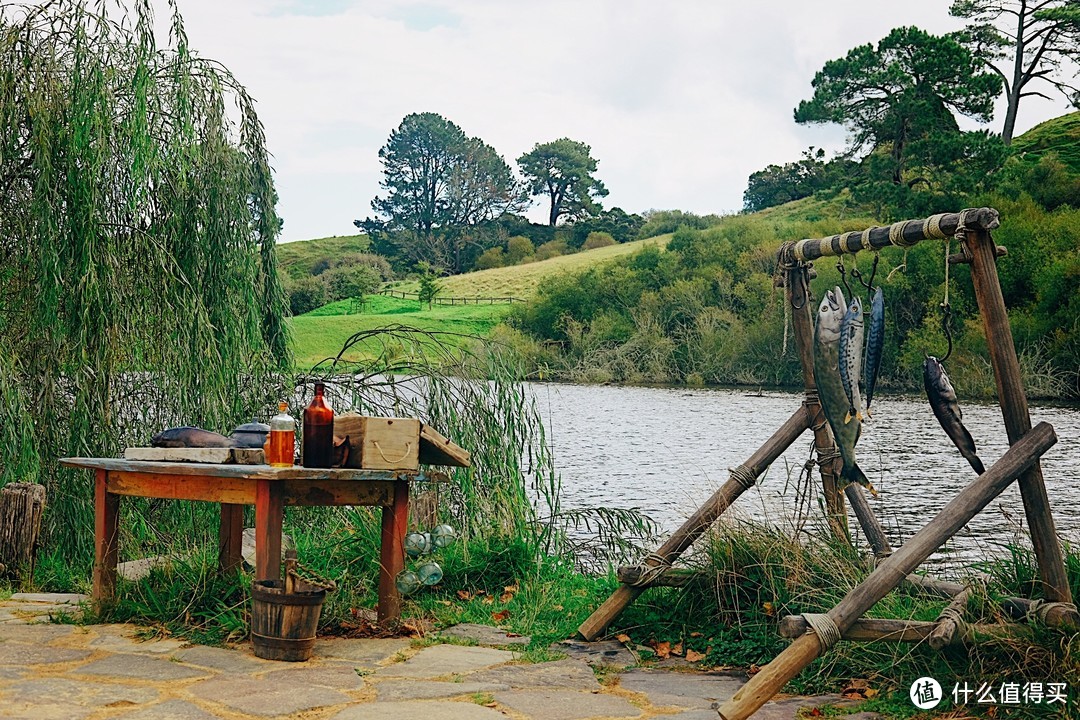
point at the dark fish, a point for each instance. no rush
(875, 346)
(834, 400)
(851, 354)
(190, 437)
(943, 402)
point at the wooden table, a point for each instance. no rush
(269, 489)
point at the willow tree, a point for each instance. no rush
(137, 231)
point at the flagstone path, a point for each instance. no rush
(51, 671)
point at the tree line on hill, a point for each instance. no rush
(706, 311)
(453, 202)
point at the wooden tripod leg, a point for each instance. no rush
(875, 534)
(892, 571)
(1014, 409)
(797, 294)
(699, 522)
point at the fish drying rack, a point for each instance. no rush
(815, 634)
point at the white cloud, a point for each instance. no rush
(680, 101)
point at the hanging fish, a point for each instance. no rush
(834, 400)
(875, 346)
(943, 402)
(851, 355)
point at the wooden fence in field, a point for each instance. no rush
(440, 300)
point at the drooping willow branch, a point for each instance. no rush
(138, 285)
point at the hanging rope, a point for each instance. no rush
(946, 309)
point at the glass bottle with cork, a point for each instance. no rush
(281, 442)
(317, 450)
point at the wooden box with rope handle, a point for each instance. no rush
(383, 443)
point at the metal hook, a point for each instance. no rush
(843, 276)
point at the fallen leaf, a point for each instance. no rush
(663, 649)
(500, 616)
(445, 602)
(697, 634)
(871, 693)
(464, 595)
(490, 704)
(511, 588)
(754, 669)
(506, 597)
(487, 600)
(677, 649)
(624, 639)
(814, 712)
(768, 608)
(694, 656)
(558, 607)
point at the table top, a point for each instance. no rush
(234, 470)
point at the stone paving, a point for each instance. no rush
(98, 672)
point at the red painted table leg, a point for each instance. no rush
(230, 537)
(106, 512)
(268, 516)
(395, 519)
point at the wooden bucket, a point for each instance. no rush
(283, 623)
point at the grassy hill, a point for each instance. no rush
(1061, 135)
(296, 258)
(521, 280)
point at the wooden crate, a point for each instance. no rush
(379, 443)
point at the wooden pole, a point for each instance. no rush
(269, 514)
(106, 538)
(908, 631)
(673, 577)
(21, 508)
(949, 621)
(875, 534)
(230, 534)
(699, 522)
(395, 523)
(797, 294)
(1014, 409)
(892, 571)
(900, 234)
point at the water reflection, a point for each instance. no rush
(665, 450)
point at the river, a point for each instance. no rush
(665, 450)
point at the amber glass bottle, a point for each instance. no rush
(317, 450)
(281, 443)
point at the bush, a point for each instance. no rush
(598, 240)
(306, 294)
(518, 248)
(350, 281)
(491, 258)
(552, 248)
(376, 262)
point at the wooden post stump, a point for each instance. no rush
(21, 507)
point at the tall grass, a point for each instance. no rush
(137, 238)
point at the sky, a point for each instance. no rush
(680, 101)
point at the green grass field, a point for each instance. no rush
(321, 333)
(521, 280)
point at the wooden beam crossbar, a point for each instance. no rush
(900, 234)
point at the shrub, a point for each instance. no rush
(491, 258)
(350, 281)
(552, 248)
(378, 263)
(598, 240)
(518, 248)
(306, 294)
